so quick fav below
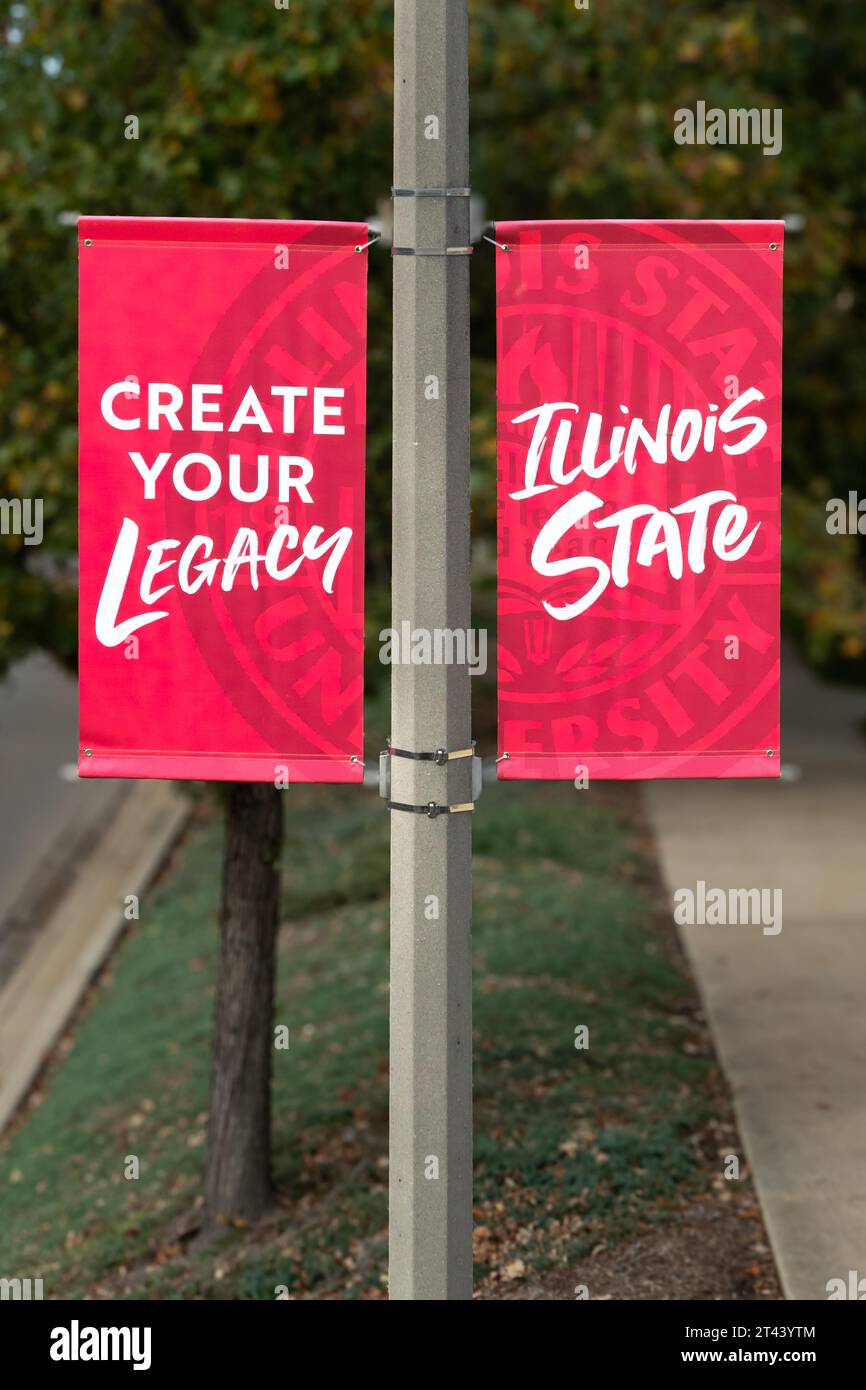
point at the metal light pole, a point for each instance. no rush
(431, 998)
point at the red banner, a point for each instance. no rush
(221, 513)
(639, 486)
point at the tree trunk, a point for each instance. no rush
(238, 1155)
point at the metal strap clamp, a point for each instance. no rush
(431, 192)
(441, 757)
(431, 809)
(432, 251)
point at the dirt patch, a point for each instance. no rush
(714, 1251)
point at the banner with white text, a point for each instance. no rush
(221, 513)
(639, 466)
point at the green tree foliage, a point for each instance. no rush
(258, 111)
(244, 110)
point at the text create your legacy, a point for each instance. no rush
(197, 477)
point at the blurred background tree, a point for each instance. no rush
(573, 117)
(259, 111)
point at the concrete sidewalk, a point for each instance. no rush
(788, 1012)
(69, 947)
(49, 820)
